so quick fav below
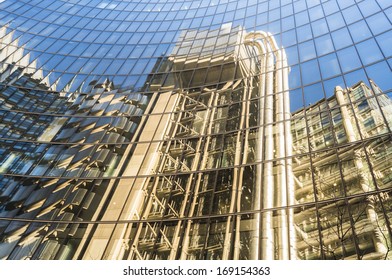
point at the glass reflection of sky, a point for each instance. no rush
(80, 41)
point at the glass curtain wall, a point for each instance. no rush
(195, 130)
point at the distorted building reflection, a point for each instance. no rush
(56, 152)
(141, 136)
(216, 141)
(350, 220)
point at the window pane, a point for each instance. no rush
(378, 23)
(341, 38)
(369, 51)
(329, 66)
(359, 31)
(307, 51)
(349, 59)
(310, 72)
(324, 45)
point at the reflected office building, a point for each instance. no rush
(352, 180)
(195, 130)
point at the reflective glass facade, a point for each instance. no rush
(195, 130)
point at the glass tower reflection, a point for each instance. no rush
(195, 129)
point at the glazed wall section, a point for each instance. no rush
(195, 129)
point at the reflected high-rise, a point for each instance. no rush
(195, 129)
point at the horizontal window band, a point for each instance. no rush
(319, 204)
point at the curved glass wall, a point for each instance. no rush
(207, 129)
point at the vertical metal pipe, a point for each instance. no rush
(287, 235)
(289, 153)
(255, 244)
(256, 225)
(267, 238)
(274, 102)
(282, 230)
(266, 151)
